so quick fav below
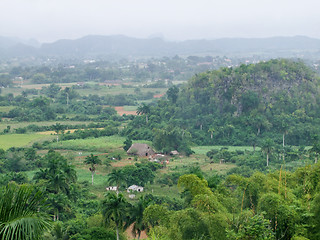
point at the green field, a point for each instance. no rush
(18, 90)
(162, 191)
(15, 125)
(102, 144)
(14, 91)
(90, 144)
(6, 109)
(39, 86)
(129, 108)
(115, 90)
(205, 149)
(85, 175)
(94, 89)
(20, 140)
(104, 90)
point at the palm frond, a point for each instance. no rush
(20, 217)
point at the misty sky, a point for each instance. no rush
(49, 20)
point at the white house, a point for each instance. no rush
(111, 188)
(135, 188)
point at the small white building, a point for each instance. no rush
(158, 158)
(132, 196)
(134, 188)
(174, 153)
(112, 188)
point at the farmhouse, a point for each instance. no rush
(140, 149)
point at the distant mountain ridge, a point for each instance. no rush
(119, 45)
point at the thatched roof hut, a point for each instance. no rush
(140, 149)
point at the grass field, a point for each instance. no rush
(18, 90)
(102, 144)
(162, 191)
(6, 109)
(115, 90)
(130, 108)
(15, 125)
(39, 86)
(95, 89)
(85, 175)
(20, 140)
(205, 149)
(14, 91)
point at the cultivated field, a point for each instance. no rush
(102, 144)
(21, 140)
(14, 125)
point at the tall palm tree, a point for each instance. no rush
(70, 172)
(116, 177)
(57, 202)
(58, 175)
(57, 164)
(267, 147)
(58, 183)
(316, 149)
(92, 160)
(144, 110)
(115, 208)
(211, 131)
(136, 216)
(58, 128)
(20, 218)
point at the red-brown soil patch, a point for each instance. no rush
(158, 95)
(121, 111)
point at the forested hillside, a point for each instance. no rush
(277, 99)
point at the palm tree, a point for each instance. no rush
(58, 232)
(211, 131)
(144, 110)
(57, 164)
(284, 125)
(92, 160)
(115, 208)
(117, 177)
(57, 202)
(20, 218)
(58, 128)
(316, 149)
(57, 183)
(136, 216)
(58, 175)
(70, 172)
(42, 174)
(267, 147)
